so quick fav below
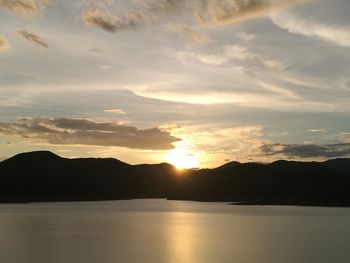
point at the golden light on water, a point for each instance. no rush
(183, 159)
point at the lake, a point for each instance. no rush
(151, 231)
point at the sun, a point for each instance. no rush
(183, 160)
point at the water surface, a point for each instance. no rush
(151, 231)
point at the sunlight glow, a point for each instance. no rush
(183, 160)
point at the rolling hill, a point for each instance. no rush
(44, 176)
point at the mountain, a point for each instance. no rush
(44, 176)
(341, 164)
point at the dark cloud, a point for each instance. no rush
(306, 150)
(3, 44)
(87, 132)
(31, 37)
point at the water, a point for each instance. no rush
(151, 231)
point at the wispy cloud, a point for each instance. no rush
(3, 44)
(236, 140)
(306, 150)
(228, 54)
(245, 36)
(31, 37)
(67, 131)
(194, 35)
(295, 24)
(118, 111)
(322, 130)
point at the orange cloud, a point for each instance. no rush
(207, 12)
(3, 44)
(26, 8)
(222, 12)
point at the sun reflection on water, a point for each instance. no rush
(181, 243)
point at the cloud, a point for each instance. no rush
(228, 54)
(96, 50)
(26, 8)
(219, 143)
(213, 144)
(225, 12)
(207, 59)
(118, 111)
(194, 35)
(98, 18)
(344, 137)
(306, 150)
(65, 131)
(298, 25)
(20, 7)
(245, 36)
(236, 140)
(104, 67)
(159, 12)
(3, 44)
(111, 23)
(322, 130)
(31, 37)
(109, 2)
(144, 13)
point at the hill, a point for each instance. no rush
(44, 176)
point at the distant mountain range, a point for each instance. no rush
(43, 176)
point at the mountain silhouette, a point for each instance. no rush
(45, 176)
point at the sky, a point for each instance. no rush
(196, 83)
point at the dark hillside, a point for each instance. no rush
(44, 176)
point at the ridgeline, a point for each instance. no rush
(45, 177)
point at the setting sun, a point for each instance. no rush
(183, 160)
